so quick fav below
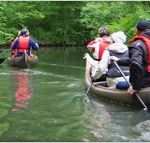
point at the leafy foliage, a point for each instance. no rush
(116, 15)
(69, 22)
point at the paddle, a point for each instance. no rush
(87, 92)
(137, 94)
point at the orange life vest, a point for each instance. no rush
(23, 44)
(146, 41)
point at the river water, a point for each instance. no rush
(48, 103)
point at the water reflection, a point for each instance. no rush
(22, 90)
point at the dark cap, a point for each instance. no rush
(143, 25)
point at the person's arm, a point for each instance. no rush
(34, 45)
(136, 76)
(136, 54)
(14, 44)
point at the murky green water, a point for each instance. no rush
(48, 103)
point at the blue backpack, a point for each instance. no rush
(122, 85)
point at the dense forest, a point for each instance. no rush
(69, 22)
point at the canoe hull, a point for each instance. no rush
(22, 61)
(114, 94)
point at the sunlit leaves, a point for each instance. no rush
(69, 22)
(116, 15)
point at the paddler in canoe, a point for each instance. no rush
(22, 48)
(115, 50)
(139, 52)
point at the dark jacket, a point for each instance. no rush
(139, 78)
(123, 64)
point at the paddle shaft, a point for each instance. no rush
(137, 95)
(87, 92)
(99, 83)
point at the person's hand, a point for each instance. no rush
(12, 56)
(114, 58)
(131, 91)
(85, 56)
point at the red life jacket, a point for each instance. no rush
(147, 45)
(103, 45)
(23, 44)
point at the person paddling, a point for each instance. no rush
(139, 53)
(97, 47)
(23, 44)
(99, 44)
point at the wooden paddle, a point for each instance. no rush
(137, 94)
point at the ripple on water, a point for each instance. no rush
(68, 84)
(51, 82)
(99, 120)
(37, 72)
(4, 73)
(113, 123)
(143, 129)
(64, 66)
